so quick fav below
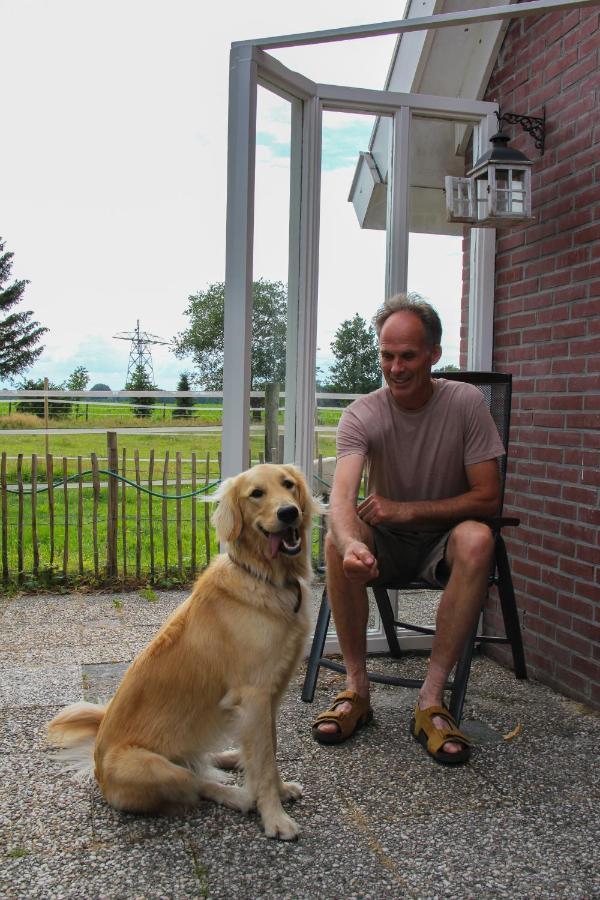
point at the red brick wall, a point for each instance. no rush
(547, 333)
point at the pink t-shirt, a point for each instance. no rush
(420, 454)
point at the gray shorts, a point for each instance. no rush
(405, 556)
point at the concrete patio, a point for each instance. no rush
(379, 819)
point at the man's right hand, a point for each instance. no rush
(358, 563)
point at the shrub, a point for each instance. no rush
(19, 420)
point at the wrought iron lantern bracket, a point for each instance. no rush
(533, 125)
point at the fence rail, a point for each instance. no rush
(107, 525)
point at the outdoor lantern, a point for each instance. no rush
(496, 193)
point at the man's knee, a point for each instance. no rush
(472, 544)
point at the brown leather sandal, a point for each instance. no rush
(433, 739)
(347, 722)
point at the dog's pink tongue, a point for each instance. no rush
(274, 542)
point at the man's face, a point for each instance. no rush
(406, 359)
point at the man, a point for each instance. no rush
(431, 448)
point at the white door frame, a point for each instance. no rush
(249, 67)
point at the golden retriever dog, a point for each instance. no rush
(215, 672)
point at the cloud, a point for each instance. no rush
(116, 201)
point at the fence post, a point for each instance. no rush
(113, 502)
(4, 504)
(46, 439)
(271, 420)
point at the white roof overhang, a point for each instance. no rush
(452, 62)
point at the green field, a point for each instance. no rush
(99, 413)
(72, 446)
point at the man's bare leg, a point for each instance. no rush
(469, 555)
(350, 607)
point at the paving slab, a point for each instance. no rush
(378, 818)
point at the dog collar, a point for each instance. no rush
(289, 584)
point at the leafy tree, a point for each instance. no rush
(184, 404)
(100, 387)
(357, 369)
(78, 380)
(141, 381)
(35, 407)
(449, 368)
(19, 335)
(203, 339)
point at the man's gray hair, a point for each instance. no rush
(415, 304)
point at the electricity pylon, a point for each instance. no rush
(140, 357)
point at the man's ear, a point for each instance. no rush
(227, 518)
(436, 354)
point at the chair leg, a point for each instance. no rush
(508, 605)
(461, 676)
(386, 612)
(316, 651)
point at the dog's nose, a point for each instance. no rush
(287, 514)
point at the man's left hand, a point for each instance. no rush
(377, 510)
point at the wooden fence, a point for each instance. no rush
(93, 526)
(149, 523)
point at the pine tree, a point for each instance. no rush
(183, 404)
(19, 334)
(140, 381)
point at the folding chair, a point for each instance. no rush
(497, 390)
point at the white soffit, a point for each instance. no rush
(455, 61)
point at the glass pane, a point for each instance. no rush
(503, 200)
(482, 194)
(435, 272)
(517, 204)
(271, 252)
(351, 273)
(435, 245)
(462, 197)
(351, 263)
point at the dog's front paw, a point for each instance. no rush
(290, 790)
(281, 826)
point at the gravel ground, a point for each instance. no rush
(379, 819)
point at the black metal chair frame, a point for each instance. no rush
(497, 388)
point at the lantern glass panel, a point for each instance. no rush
(518, 191)
(461, 197)
(503, 199)
(482, 190)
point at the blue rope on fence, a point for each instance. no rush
(111, 474)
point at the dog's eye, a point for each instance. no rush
(257, 492)
(288, 484)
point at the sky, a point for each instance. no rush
(114, 161)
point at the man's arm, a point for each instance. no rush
(481, 500)
(344, 524)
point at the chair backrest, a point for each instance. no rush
(496, 388)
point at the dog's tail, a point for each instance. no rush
(74, 731)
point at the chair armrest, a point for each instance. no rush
(498, 522)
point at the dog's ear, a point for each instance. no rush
(227, 517)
